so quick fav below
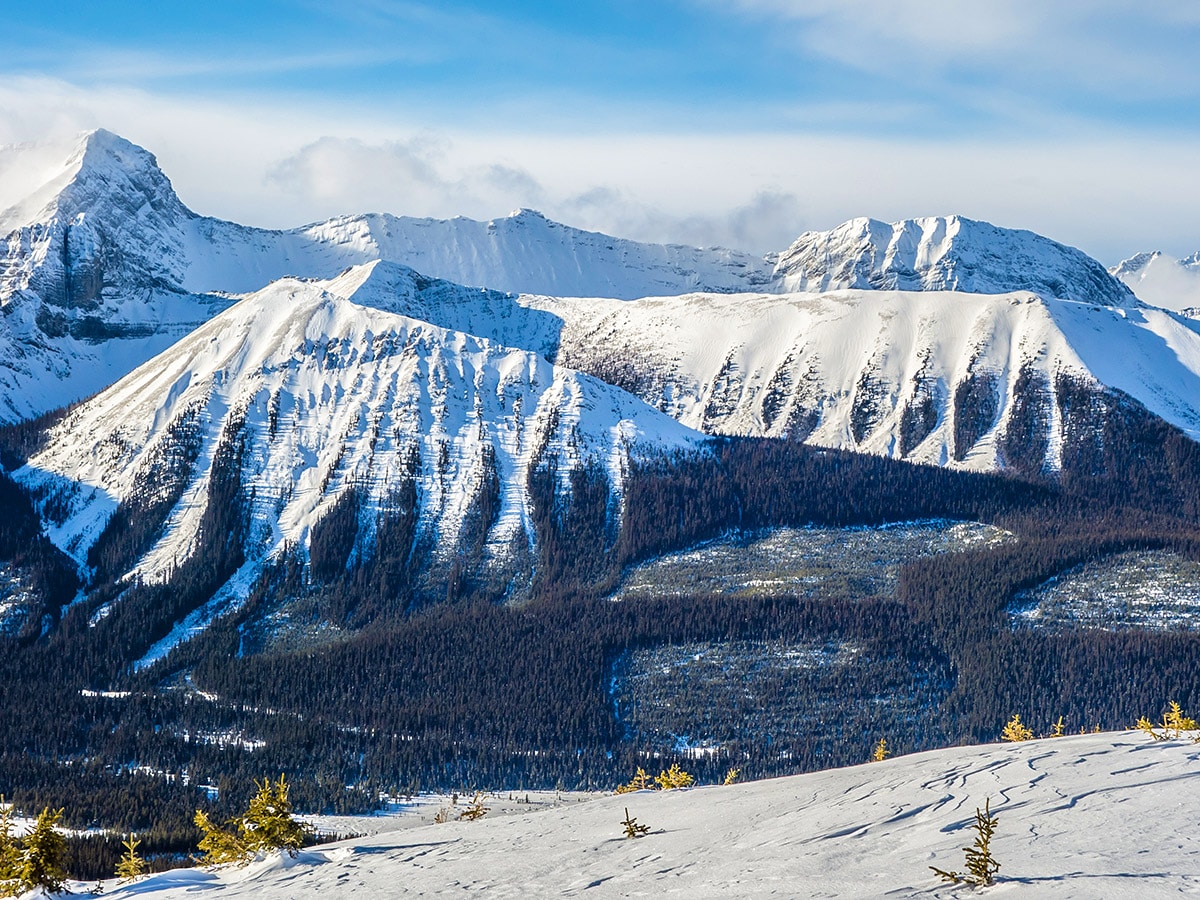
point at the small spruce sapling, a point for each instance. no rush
(881, 752)
(131, 866)
(639, 782)
(732, 776)
(266, 825)
(1174, 725)
(219, 845)
(1015, 731)
(1058, 729)
(981, 865)
(10, 852)
(632, 828)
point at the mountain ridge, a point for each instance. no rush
(104, 266)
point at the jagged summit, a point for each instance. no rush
(99, 168)
(944, 253)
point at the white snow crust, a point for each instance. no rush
(1080, 818)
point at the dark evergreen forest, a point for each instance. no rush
(433, 683)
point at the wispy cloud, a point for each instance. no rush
(1103, 45)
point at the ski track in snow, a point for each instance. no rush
(1080, 818)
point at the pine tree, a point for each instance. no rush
(732, 776)
(673, 778)
(1058, 729)
(1175, 723)
(1015, 731)
(981, 865)
(880, 752)
(219, 845)
(42, 853)
(131, 866)
(268, 823)
(10, 853)
(639, 782)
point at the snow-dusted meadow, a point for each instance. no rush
(1082, 817)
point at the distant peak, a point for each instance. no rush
(526, 213)
(1135, 263)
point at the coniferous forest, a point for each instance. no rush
(418, 679)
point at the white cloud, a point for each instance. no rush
(279, 163)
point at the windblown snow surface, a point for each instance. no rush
(1080, 818)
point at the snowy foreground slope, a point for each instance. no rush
(1080, 818)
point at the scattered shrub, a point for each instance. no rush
(632, 828)
(674, 778)
(1015, 731)
(266, 825)
(981, 865)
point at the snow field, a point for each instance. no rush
(1080, 818)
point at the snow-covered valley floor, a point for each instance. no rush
(1089, 816)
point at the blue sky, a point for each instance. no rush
(732, 121)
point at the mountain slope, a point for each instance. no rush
(971, 381)
(1079, 817)
(314, 404)
(1157, 279)
(934, 377)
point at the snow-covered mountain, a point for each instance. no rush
(973, 381)
(1161, 281)
(323, 396)
(943, 254)
(969, 380)
(924, 350)
(103, 266)
(1081, 817)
